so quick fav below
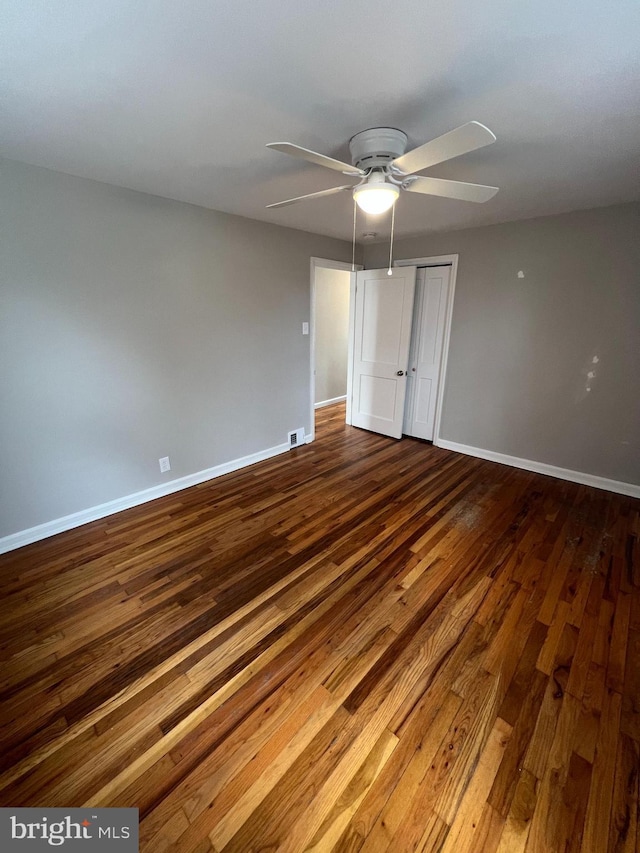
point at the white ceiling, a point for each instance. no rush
(179, 97)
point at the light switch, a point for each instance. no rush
(305, 328)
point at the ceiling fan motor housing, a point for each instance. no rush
(377, 147)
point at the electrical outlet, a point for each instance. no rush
(165, 465)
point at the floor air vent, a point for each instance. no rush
(296, 438)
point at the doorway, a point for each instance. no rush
(329, 328)
(420, 371)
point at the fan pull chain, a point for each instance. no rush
(353, 247)
(393, 221)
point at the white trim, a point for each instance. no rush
(350, 344)
(435, 261)
(324, 403)
(617, 486)
(76, 519)
(325, 263)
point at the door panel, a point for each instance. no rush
(426, 350)
(378, 397)
(383, 312)
(382, 321)
(424, 399)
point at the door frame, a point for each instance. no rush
(325, 263)
(439, 261)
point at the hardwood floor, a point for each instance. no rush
(362, 645)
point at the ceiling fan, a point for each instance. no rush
(379, 160)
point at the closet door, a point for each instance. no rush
(425, 358)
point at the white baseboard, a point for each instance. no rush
(329, 402)
(76, 519)
(629, 489)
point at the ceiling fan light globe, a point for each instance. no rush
(376, 199)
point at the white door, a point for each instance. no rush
(382, 323)
(432, 294)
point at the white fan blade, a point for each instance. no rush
(467, 137)
(451, 189)
(314, 157)
(311, 195)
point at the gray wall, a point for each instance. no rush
(331, 332)
(133, 327)
(522, 348)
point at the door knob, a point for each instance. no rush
(399, 372)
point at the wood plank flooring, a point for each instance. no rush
(362, 645)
